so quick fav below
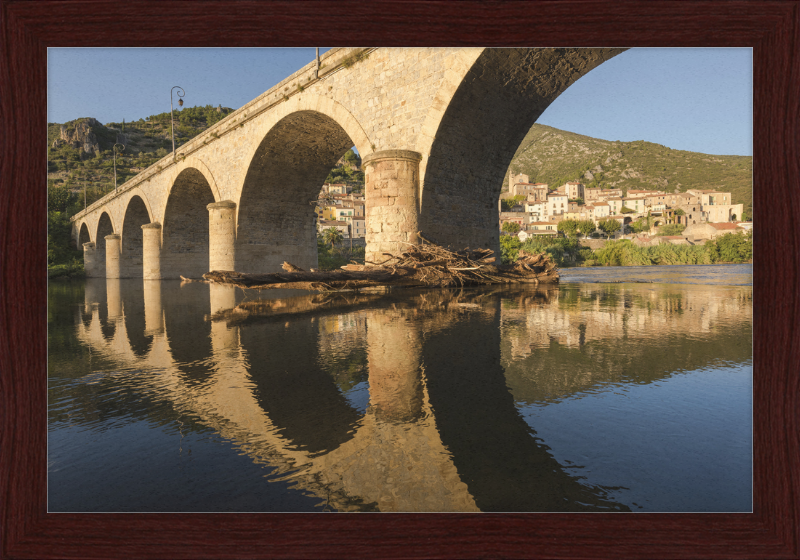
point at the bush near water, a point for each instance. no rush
(566, 251)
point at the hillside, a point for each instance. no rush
(552, 156)
(79, 152)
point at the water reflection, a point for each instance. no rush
(393, 402)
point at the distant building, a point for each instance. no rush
(339, 188)
(705, 231)
(543, 228)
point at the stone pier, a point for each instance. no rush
(221, 235)
(112, 255)
(151, 251)
(392, 201)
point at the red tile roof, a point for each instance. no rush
(724, 226)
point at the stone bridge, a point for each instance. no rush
(436, 129)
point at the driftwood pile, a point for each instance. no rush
(423, 265)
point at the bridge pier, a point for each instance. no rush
(153, 311)
(221, 235)
(392, 201)
(113, 299)
(151, 251)
(90, 260)
(112, 255)
(395, 376)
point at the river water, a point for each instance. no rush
(621, 389)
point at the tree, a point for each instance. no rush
(513, 201)
(58, 197)
(568, 227)
(671, 229)
(511, 227)
(586, 227)
(679, 212)
(609, 226)
(333, 236)
(640, 225)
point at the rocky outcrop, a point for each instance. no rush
(80, 135)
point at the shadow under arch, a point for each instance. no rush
(494, 450)
(276, 219)
(83, 236)
(185, 234)
(301, 399)
(188, 333)
(494, 106)
(131, 250)
(104, 227)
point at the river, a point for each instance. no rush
(621, 389)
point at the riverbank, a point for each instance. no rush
(569, 252)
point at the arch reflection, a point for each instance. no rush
(366, 401)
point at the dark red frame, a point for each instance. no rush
(28, 27)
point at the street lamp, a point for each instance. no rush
(115, 163)
(171, 118)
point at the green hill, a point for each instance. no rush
(79, 152)
(552, 156)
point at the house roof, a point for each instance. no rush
(673, 237)
(724, 225)
(542, 223)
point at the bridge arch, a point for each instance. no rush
(83, 234)
(275, 215)
(185, 234)
(137, 213)
(105, 226)
(482, 112)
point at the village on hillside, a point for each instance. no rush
(644, 216)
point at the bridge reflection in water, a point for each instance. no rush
(402, 402)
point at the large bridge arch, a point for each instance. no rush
(185, 233)
(275, 218)
(137, 213)
(479, 122)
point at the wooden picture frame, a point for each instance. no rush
(772, 29)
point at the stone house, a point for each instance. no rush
(573, 190)
(601, 210)
(536, 191)
(359, 227)
(338, 188)
(514, 178)
(515, 217)
(556, 204)
(674, 239)
(635, 203)
(322, 225)
(705, 231)
(543, 228)
(615, 204)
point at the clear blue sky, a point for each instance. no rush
(688, 99)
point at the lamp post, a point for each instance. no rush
(115, 163)
(171, 118)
